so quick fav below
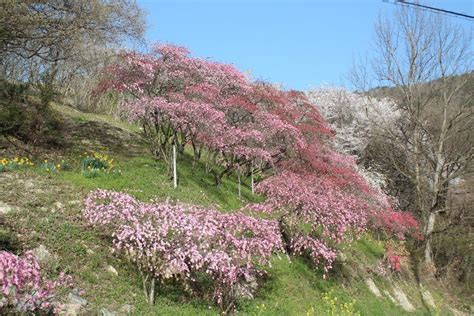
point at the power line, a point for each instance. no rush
(434, 9)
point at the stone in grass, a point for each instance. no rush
(42, 254)
(111, 270)
(73, 306)
(89, 251)
(105, 312)
(58, 205)
(372, 287)
(428, 298)
(126, 309)
(5, 208)
(402, 299)
(70, 309)
(74, 202)
(389, 296)
(457, 312)
(76, 299)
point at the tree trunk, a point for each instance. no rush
(428, 251)
(151, 299)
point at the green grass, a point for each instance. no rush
(146, 178)
(291, 287)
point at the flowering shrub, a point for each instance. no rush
(396, 255)
(193, 246)
(395, 223)
(394, 263)
(24, 288)
(15, 163)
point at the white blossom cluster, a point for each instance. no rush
(352, 116)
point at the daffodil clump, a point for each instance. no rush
(338, 308)
(261, 309)
(93, 164)
(63, 165)
(49, 166)
(16, 163)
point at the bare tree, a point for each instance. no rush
(426, 61)
(54, 30)
(58, 41)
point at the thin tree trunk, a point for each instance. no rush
(428, 234)
(144, 279)
(151, 299)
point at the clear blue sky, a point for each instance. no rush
(294, 42)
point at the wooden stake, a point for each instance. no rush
(251, 178)
(175, 177)
(240, 194)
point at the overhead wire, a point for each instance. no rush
(430, 8)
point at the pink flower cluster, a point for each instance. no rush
(394, 263)
(183, 243)
(317, 213)
(24, 288)
(395, 223)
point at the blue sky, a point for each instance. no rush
(297, 43)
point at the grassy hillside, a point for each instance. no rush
(45, 209)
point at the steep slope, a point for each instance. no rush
(43, 207)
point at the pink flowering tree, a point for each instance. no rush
(24, 287)
(165, 84)
(317, 194)
(398, 224)
(186, 101)
(191, 245)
